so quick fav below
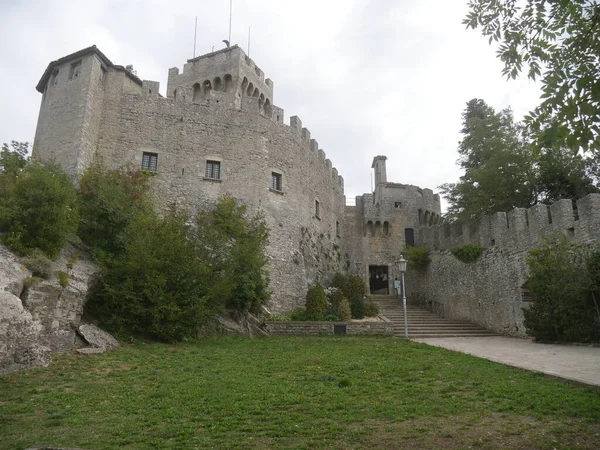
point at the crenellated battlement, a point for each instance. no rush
(521, 228)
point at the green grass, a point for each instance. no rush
(300, 393)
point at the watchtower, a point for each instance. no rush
(227, 74)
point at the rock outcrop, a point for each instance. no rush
(40, 316)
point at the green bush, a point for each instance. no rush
(344, 311)
(354, 289)
(158, 287)
(39, 264)
(38, 209)
(63, 278)
(418, 257)
(563, 282)
(109, 201)
(467, 253)
(371, 308)
(299, 314)
(233, 246)
(316, 302)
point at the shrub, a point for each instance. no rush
(109, 201)
(38, 210)
(158, 287)
(467, 253)
(233, 247)
(344, 311)
(353, 287)
(63, 278)
(316, 302)
(39, 264)
(418, 257)
(299, 314)
(371, 308)
(562, 281)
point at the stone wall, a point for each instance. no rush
(490, 291)
(317, 328)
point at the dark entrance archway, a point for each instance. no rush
(379, 280)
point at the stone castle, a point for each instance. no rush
(218, 131)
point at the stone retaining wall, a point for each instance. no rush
(301, 328)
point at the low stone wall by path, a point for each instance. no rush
(297, 328)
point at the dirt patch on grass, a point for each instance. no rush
(496, 431)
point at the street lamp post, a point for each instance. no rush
(401, 263)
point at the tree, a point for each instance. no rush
(558, 40)
(498, 163)
(38, 210)
(109, 201)
(233, 245)
(562, 174)
(13, 159)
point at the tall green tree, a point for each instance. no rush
(14, 158)
(559, 41)
(498, 164)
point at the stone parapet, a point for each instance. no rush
(303, 328)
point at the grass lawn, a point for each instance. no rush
(282, 392)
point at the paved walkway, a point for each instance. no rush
(571, 362)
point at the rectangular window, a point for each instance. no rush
(75, 70)
(317, 209)
(213, 170)
(337, 228)
(150, 161)
(276, 181)
(54, 78)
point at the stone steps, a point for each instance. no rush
(424, 324)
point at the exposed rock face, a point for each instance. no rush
(41, 318)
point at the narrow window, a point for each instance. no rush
(150, 161)
(213, 170)
(317, 209)
(54, 77)
(397, 205)
(276, 181)
(337, 228)
(409, 237)
(75, 70)
(102, 79)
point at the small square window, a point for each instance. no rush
(276, 183)
(317, 209)
(75, 70)
(213, 170)
(150, 161)
(397, 204)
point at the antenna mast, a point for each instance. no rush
(230, 9)
(195, 29)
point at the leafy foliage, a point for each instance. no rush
(467, 253)
(38, 209)
(371, 308)
(564, 285)
(354, 289)
(14, 158)
(166, 280)
(498, 163)
(63, 278)
(418, 257)
(316, 302)
(109, 201)
(558, 41)
(233, 246)
(158, 286)
(39, 264)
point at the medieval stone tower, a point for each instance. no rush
(218, 132)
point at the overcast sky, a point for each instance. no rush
(367, 77)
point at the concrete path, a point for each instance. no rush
(571, 362)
